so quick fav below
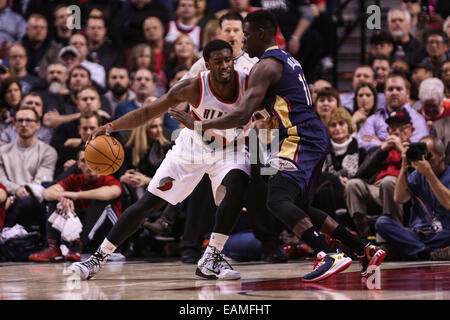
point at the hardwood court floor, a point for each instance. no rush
(144, 280)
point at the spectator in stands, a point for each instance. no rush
(17, 61)
(428, 187)
(243, 7)
(341, 163)
(183, 54)
(119, 87)
(38, 45)
(24, 166)
(431, 95)
(365, 104)
(12, 27)
(441, 130)
(445, 77)
(185, 23)
(327, 99)
(67, 156)
(144, 151)
(94, 198)
(381, 43)
(126, 28)
(69, 57)
(374, 130)
(419, 73)
(401, 66)
(316, 86)
(154, 36)
(46, 8)
(203, 15)
(382, 67)
(79, 77)
(62, 32)
(211, 31)
(141, 58)
(88, 99)
(363, 73)
(436, 46)
(98, 74)
(446, 27)
(417, 25)
(406, 46)
(10, 97)
(101, 51)
(54, 87)
(44, 133)
(372, 187)
(143, 87)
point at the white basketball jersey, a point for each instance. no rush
(211, 106)
(194, 32)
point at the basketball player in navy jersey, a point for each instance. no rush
(277, 83)
(211, 94)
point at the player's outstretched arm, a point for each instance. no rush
(269, 69)
(186, 90)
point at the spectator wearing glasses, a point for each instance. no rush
(436, 46)
(44, 133)
(17, 61)
(25, 165)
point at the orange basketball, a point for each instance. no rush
(104, 155)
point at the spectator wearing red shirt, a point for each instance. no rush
(95, 199)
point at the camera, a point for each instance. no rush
(416, 151)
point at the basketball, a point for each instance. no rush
(104, 155)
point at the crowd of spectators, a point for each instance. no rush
(62, 76)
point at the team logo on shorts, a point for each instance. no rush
(165, 183)
(282, 164)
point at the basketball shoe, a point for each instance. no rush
(213, 266)
(327, 265)
(88, 268)
(51, 254)
(373, 256)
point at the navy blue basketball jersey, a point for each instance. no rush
(289, 99)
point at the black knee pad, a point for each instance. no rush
(280, 189)
(236, 182)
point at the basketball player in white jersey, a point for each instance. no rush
(210, 95)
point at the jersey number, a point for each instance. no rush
(301, 78)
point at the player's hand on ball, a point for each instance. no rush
(106, 129)
(183, 117)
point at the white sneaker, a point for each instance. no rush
(213, 266)
(89, 268)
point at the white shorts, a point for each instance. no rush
(186, 163)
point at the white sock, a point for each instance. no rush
(107, 247)
(218, 240)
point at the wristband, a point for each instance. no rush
(197, 125)
(111, 125)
